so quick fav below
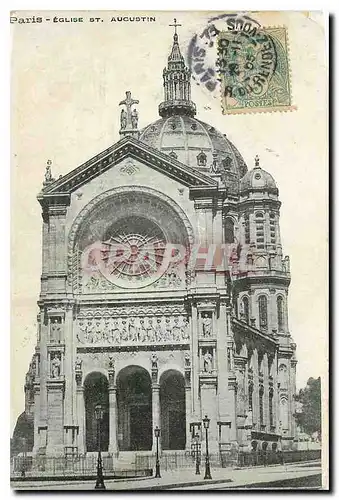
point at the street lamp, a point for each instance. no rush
(157, 463)
(197, 450)
(100, 485)
(206, 422)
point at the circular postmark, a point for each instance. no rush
(202, 50)
(243, 63)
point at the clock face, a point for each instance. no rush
(133, 251)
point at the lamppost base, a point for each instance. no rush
(208, 472)
(100, 485)
(157, 470)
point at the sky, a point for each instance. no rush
(67, 80)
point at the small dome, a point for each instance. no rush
(190, 139)
(258, 179)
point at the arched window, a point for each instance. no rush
(280, 313)
(246, 309)
(263, 312)
(229, 230)
(201, 159)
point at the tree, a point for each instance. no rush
(309, 419)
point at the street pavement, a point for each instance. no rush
(303, 475)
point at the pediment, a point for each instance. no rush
(133, 148)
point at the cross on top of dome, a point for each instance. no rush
(175, 28)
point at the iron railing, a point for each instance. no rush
(143, 464)
(264, 458)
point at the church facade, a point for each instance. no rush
(164, 294)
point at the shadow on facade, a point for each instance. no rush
(96, 392)
(134, 400)
(173, 411)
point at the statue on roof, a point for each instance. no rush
(128, 117)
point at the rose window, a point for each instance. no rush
(133, 252)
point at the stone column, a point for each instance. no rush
(68, 366)
(266, 393)
(81, 419)
(188, 400)
(112, 447)
(195, 364)
(222, 367)
(276, 392)
(55, 422)
(209, 408)
(36, 417)
(292, 393)
(43, 369)
(256, 413)
(155, 413)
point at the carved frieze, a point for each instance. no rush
(132, 329)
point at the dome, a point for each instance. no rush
(194, 143)
(258, 179)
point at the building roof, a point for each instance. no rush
(185, 137)
(258, 179)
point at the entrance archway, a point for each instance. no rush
(96, 392)
(134, 400)
(173, 410)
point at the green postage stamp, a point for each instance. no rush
(254, 70)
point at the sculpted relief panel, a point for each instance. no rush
(118, 328)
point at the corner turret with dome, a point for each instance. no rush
(133, 319)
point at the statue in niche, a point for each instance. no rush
(176, 331)
(154, 361)
(151, 331)
(55, 366)
(187, 360)
(206, 325)
(134, 118)
(56, 330)
(208, 360)
(78, 364)
(158, 331)
(132, 331)
(123, 119)
(124, 332)
(143, 335)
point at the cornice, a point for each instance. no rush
(129, 146)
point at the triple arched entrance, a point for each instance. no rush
(134, 410)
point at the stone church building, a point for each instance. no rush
(164, 293)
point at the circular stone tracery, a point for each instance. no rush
(134, 249)
(134, 222)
